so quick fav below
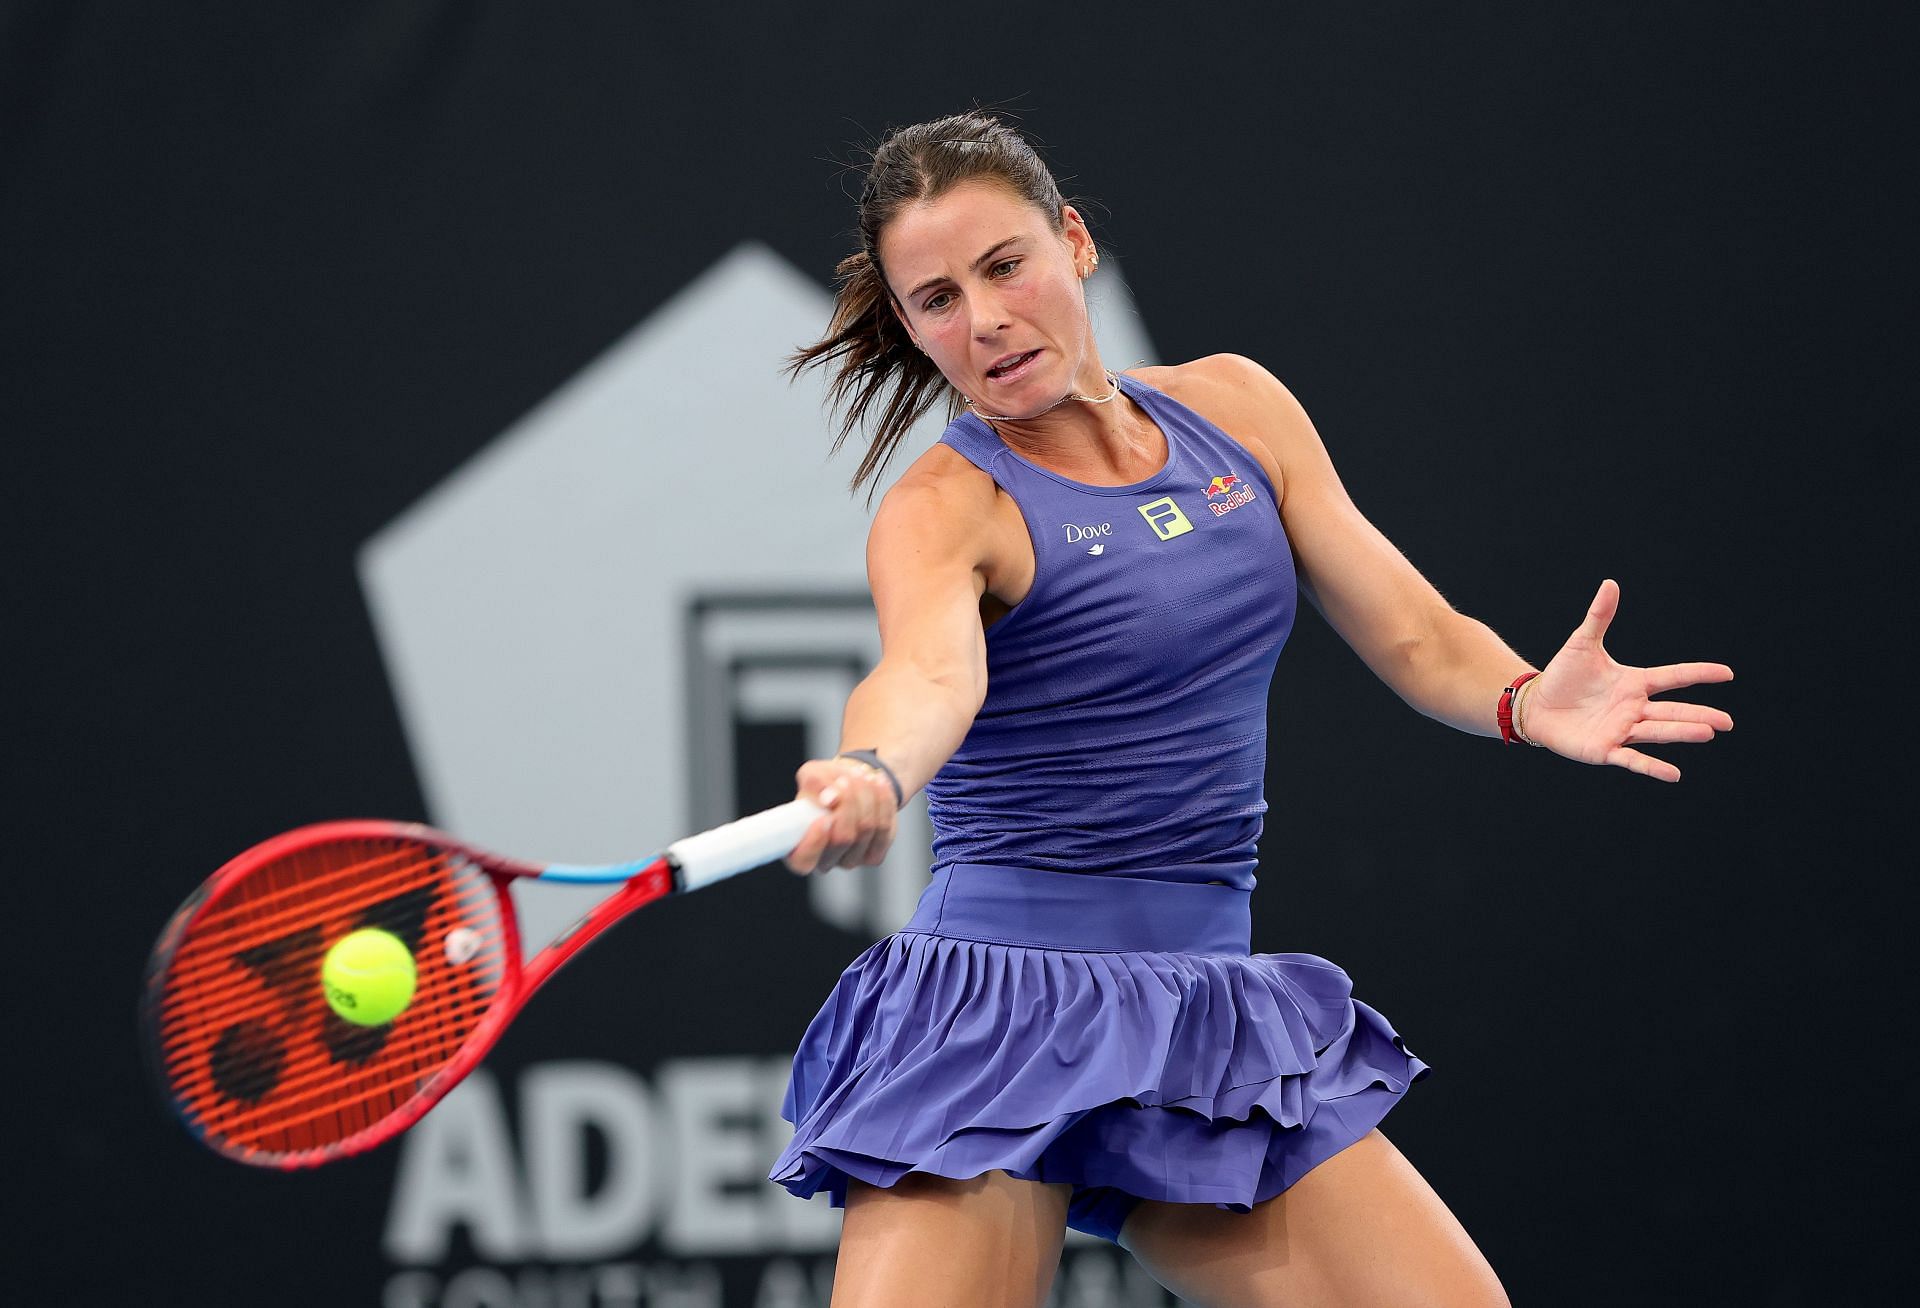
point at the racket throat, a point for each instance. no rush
(658, 880)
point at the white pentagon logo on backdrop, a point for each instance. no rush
(574, 620)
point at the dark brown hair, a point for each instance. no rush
(871, 357)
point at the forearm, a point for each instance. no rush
(1456, 675)
(913, 721)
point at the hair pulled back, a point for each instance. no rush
(871, 358)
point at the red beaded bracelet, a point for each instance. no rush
(1504, 714)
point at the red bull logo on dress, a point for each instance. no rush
(1226, 493)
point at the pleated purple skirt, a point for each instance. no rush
(1110, 1032)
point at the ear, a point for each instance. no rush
(1073, 230)
(901, 318)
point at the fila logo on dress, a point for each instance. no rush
(1225, 493)
(1164, 516)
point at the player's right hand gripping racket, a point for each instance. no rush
(261, 1068)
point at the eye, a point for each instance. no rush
(1005, 267)
(935, 303)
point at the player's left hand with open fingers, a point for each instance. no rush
(859, 823)
(1587, 707)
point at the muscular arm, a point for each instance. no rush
(924, 564)
(928, 558)
(1445, 664)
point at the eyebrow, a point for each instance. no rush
(934, 281)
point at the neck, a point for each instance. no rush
(1096, 440)
(1109, 388)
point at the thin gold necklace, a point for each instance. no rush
(1113, 382)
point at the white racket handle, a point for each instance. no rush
(727, 850)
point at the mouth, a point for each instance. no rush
(1012, 366)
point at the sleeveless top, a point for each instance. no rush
(1124, 731)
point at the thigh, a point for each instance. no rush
(1361, 1228)
(933, 1242)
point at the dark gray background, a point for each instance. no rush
(1571, 292)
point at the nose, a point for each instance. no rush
(988, 317)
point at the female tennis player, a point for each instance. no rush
(1082, 590)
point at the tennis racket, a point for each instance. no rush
(260, 1067)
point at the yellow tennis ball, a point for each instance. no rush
(369, 977)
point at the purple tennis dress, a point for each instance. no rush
(1075, 998)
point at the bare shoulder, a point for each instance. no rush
(1223, 373)
(941, 494)
(1241, 398)
(1222, 385)
(945, 514)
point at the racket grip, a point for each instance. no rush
(726, 850)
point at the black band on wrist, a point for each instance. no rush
(872, 760)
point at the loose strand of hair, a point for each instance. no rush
(870, 360)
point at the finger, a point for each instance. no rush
(872, 851)
(1671, 676)
(805, 856)
(1673, 710)
(817, 778)
(852, 820)
(882, 791)
(1656, 732)
(871, 837)
(878, 821)
(1606, 602)
(869, 791)
(1645, 764)
(868, 853)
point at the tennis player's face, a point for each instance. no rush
(991, 291)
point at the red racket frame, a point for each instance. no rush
(655, 880)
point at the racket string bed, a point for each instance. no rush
(244, 1038)
(255, 1059)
